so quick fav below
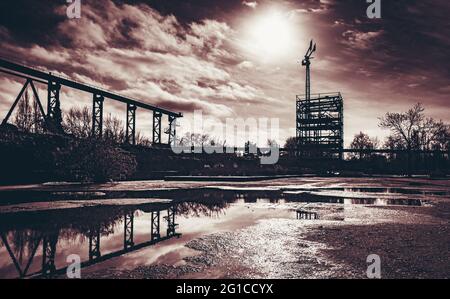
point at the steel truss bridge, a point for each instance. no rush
(53, 117)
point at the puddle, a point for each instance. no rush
(128, 236)
(39, 242)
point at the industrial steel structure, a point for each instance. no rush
(319, 120)
(53, 117)
(320, 126)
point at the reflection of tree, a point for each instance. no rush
(202, 208)
(23, 241)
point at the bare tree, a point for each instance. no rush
(113, 129)
(362, 142)
(272, 143)
(291, 143)
(429, 136)
(196, 139)
(28, 117)
(142, 140)
(403, 125)
(78, 122)
(412, 131)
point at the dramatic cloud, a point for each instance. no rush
(203, 55)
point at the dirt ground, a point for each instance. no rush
(412, 242)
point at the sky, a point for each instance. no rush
(237, 59)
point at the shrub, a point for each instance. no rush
(92, 160)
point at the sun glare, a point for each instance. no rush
(271, 34)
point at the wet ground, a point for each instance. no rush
(228, 229)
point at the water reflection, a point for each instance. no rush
(218, 194)
(38, 243)
(24, 234)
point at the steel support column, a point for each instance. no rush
(172, 131)
(54, 117)
(155, 226)
(94, 245)
(128, 238)
(97, 116)
(41, 109)
(130, 134)
(48, 256)
(157, 127)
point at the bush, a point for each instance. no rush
(93, 160)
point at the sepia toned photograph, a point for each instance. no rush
(218, 146)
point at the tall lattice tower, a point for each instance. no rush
(320, 120)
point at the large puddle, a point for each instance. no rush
(35, 243)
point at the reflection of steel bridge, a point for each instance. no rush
(52, 119)
(49, 242)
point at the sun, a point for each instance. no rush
(271, 34)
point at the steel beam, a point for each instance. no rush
(157, 127)
(128, 237)
(54, 116)
(97, 116)
(5, 120)
(155, 226)
(21, 70)
(22, 273)
(130, 134)
(94, 244)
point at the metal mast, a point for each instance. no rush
(307, 62)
